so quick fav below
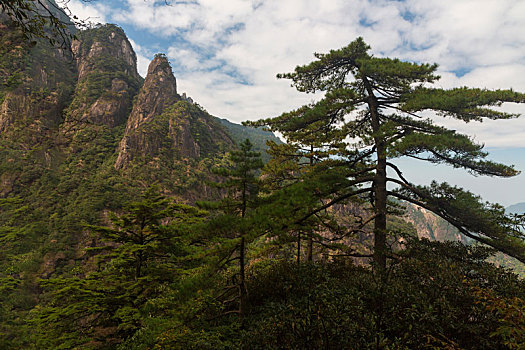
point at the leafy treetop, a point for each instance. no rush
(371, 114)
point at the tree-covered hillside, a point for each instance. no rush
(130, 218)
(258, 137)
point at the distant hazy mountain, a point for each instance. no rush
(518, 208)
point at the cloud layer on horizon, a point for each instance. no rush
(225, 54)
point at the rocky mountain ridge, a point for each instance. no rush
(76, 98)
(81, 133)
(159, 108)
(94, 94)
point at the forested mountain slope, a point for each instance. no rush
(130, 218)
(81, 133)
(258, 136)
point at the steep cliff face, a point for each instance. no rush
(36, 82)
(163, 128)
(158, 92)
(107, 78)
(428, 225)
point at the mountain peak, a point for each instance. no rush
(158, 92)
(518, 208)
(160, 76)
(104, 42)
(160, 66)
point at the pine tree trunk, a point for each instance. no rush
(379, 185)
(242, 283)
(298, 247)
(380, 247)
(310, 245)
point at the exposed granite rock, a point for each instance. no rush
(429, 225)
(38, 114)
(180, 131)
(110, 41)
(164, 130)
(35, 81)
(158, 92)
(107, 77)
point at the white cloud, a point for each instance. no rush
(466, 33)
(189, 60)
(226, 53)
(94, 12)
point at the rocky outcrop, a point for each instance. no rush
(108, 40)
(164, 128)
(158, 92)
(35, 82)
(429, 225)
(107, 78)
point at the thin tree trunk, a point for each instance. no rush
(298, 247)
(379, 186)
(310, 248)
(242, 284)
(310, 244)
(138, 266)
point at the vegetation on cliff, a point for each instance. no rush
(257, 136)
(130, 219)
(371, 114)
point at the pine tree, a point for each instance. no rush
(373, 108)
(296, 180)
(233, 224)
(143, 255)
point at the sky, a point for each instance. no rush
(225, 54)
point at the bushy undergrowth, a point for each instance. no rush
(435, 296)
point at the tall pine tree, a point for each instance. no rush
(232, 226)
(372, 110)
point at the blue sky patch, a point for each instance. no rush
(461, 71)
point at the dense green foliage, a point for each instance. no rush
(428, 298)
(257, 136)
(371, 114)
(436, 296)
(140, 256)
(96, 258)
